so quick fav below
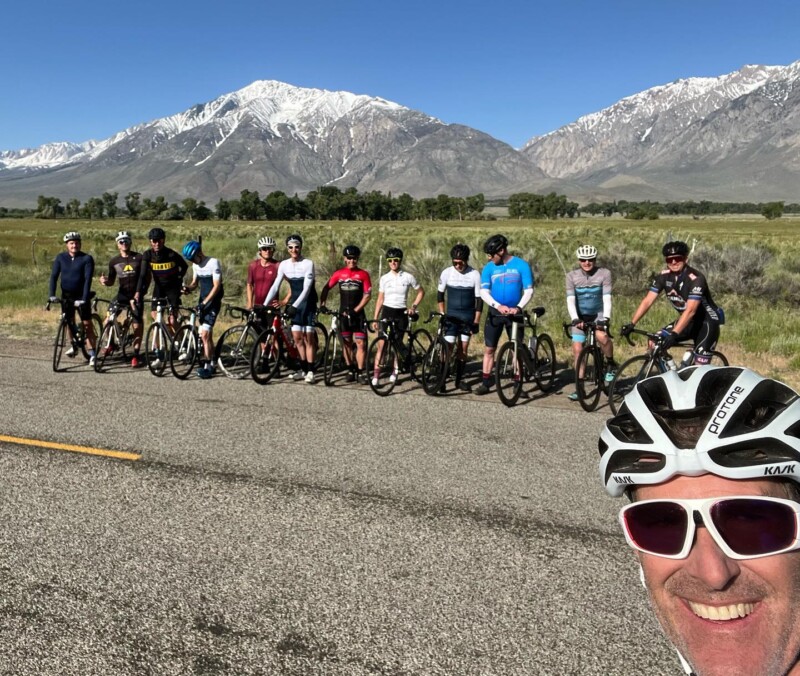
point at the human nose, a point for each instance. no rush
(708, 563)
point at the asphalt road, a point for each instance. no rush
(298, 529)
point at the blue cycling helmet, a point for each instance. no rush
(190, 250)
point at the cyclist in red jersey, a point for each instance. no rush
(262, 271)
(355, 288)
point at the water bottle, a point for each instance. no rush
(532, 343)
(688, 358)
(669, 362)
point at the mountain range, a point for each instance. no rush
(731, 138)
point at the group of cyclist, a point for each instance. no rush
(505, 284)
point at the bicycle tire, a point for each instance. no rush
(421, 342)
(718, 359)
(126, 338)
(106, 345)
(187, 345)
(544, 362)
(435, 367)
(588, 376)
(58, 346)
(233, 351)
(265, 357)
(332, 359)
(631, 372)
(381, 380)
(321, 336)
(509, 373)
(157, 349)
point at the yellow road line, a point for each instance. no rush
(89, 450)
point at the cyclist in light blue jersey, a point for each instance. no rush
(589, 300)
(506, 287)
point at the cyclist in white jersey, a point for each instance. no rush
(392, 302)
(302, 307)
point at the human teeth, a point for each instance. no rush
(730, 612)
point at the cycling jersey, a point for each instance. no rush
(206, 273)
(167, 268)
(76, 275)
(686, 285)
(353, 284)
(507, 282)
(300, 275)
(588, 291)
(127, 270)
(461, 290)
(261, 278)
(394, 287)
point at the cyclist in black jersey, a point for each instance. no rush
(686, 288)
(126, 267)
(167, 268)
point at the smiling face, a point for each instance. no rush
(73, 246)
(726, 616)
(675, 263)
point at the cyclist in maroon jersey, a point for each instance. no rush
(355, 288)
(262, 272)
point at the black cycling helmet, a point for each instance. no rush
(675, 249)
(294, 239)
(460, 252)
(156, 234)
(352, 251)
(394, 252)
(494, 244)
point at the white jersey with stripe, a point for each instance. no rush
(394, 287)
(461, 290)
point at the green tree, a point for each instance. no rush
(772, 210)
(110, 204)
(132, 204)
(223, 210)
(48, 207)
(73, 209)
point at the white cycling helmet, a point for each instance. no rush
(123, 235)
(72, 235)
(586, 252)
(266, 242)
(727, 421)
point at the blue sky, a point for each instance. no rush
(512, 68)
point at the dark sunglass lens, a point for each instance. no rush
(658, 527)
(751, 526)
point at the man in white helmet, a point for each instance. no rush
(589, 300)
(710, 459)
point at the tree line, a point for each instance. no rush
(331, 203)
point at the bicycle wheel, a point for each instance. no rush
(125, 334)
(434, 367)
(58, 346)
(588, 376)
(544, 362)
(186, 352)
(333, 360)
(265, 357)
(105, 346)
(631, 372)
(509, 373)
(318, 338)
(233, 351)
(157, 349)
(421, 342)
(718, 359)
(384, 369)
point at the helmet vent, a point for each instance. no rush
(767, 400)
(632, 461)
(626, 428)
(715, 385)
(749, 453)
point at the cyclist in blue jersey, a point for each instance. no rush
(589, 300)
(206, 274)
(76, 269)
(506, 287)
(460, 286)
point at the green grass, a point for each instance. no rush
(761, 256)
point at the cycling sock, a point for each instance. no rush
(487, 377)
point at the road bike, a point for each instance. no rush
(591, 367)
(71, 332)
(652, 362)
(235, 345)
(116, 339)
(335, 359)
(187, 345)
(443, 358)
(518, 362)
(395, 351)
(275, 346)
(159, 345)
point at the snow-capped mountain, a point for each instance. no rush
(273, 136)
(735, 137)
